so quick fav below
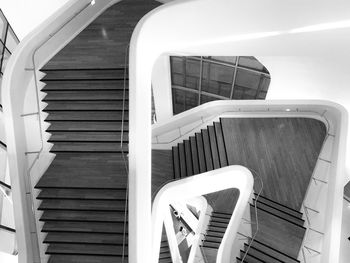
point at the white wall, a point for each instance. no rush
(25, 15)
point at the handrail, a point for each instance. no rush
(123, 154)
(213, 181)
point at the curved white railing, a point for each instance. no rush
(26, 137)
(213, 181)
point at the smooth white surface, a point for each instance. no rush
(24, 15)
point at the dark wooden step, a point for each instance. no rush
(84, 258)
(273, 252)
(288, 210)
(82, 74)
(85, 136)
(182, 158)
(214, 239)
(87, 105)
(221, 144)
(215, 234)
(85, 95)
(218, 224)
(216, 229)
(282, 216)
(86, 115)
(85, 205)
(250, 258)
(176, 162)
(262, 255)
(207, 150)
(84, 227)
(201, 155)
(87, 216)
(221, 215)
(188, 154)
(84, 238)
(220, 219)
(194, 154)
(89, 147)
(96, 126)
(207, 243)
(214, 147)
(86, 249)
(85, 85)
(82, 194)
(165, 260)
(275, 210)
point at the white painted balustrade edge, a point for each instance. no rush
(234, 176)
(45, 41)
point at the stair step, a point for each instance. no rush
(210, 254)
(262, 255)
(207, 150)
(182, 157)
(218, 224)
(250, 258)
(95, 85)
(84, 238)
(220, 219)
(194, 154)
(176, 162)
(87, 105)
(85, 170)
(221, 215)
(83, 74)
(189, 167)
(282, 216)
(84, 227)
(214, 147)
(95, 126)
(216, 229)
(221, 144)
(86, 249)
(273, 252)
(164, 255)
(88, 216)
(165, 260)
(267, 201)
(86, 115)
(274, 210)
(215, 233)
(89, 147)
(211, 244)
(86, 205)
(85, 95)
(85, 194)
(84, 258)
(85, 136)
(201, 155)
(214, 239)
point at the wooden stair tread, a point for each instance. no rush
(201, 155)
(85, 95)
(87, 115)
(85, 194)
(207, 150)
(189, 167)
(182, 157)
(213, 147)
(84, 258)
(261, 255)
(86, 136)
(89, 147)
(85, 85)
(194, 153)
(84, 227)
(86, 249)
(176, 162)
(84, 238)
(83, 74)
(87, 105)
(221, 144)
(87, 126)
(87, 205)
(87, 216)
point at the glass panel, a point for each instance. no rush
(11, 40)
(205, 98)
(250, 62)
(247, 79)
(184, 100)
(231, 60)
(192, 69)
(217, 79)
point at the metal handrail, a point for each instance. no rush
(123, 153)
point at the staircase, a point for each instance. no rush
(164, 253)
(281, 229)
(83, 192)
